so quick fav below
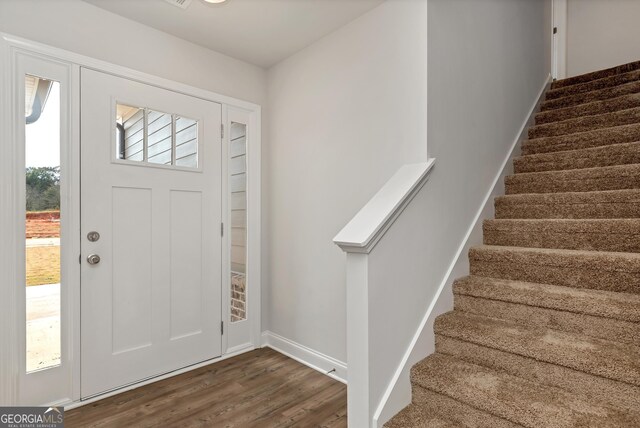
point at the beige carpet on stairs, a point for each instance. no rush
(545, 331)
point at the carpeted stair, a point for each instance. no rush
(545, 330)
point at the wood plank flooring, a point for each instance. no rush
(262, 388)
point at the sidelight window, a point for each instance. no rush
(42, 202)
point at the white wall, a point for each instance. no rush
(602, 34)
(85, 29)
(345, 113)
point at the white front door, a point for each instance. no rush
(151, 192)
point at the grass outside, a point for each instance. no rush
(43, 265)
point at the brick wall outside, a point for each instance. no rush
(238, 297)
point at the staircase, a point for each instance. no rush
(546, 329)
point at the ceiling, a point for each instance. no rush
(261, 32)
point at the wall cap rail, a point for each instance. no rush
(370, 224)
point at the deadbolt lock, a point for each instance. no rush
(93, 236)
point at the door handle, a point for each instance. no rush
(93, 259)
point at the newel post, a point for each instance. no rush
(359, 405)
(357, 239)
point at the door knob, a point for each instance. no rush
(93, 259)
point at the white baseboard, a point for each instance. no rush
(423, 342)
(307, 356)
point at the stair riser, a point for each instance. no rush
(589, 355)
(596, 75)
(530, 269)
(590, 241)
(456, 411)
(600, 389)
(617, 154)
(567, 210)
(559, 183)
(589, 109)
(595, 85)
(589, 123)
(597, 138)
(603, 328)
(590, 97)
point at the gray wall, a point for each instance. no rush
(346, 113)
(602, 34)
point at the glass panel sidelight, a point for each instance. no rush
(145, 135)
(238, 184)
(42, 174)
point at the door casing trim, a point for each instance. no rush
(12, 46)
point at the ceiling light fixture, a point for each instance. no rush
(215, 1)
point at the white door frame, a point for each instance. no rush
(559, 21)
(11, 214)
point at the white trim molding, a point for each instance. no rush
(8, 275)
(311, 358)
(370, 224)
(423, 343)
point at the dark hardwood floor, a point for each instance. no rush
(262, 388)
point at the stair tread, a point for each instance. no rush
(521, 401)
(592, 204)
(608, 359)
(616, 235)
(583, 140)
(613, 177)
(592, 260)
(528, 314)
(609, 225)
(615, 154)
(621, 102)
(577, 100)
(602, 83)
(427, 403)
(595, 75)
(602, 303)
(591, 387)
(601, 270)
(600, 196)
(416, 416)
(586, 123)
(593, 171)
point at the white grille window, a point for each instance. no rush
(154, 137)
